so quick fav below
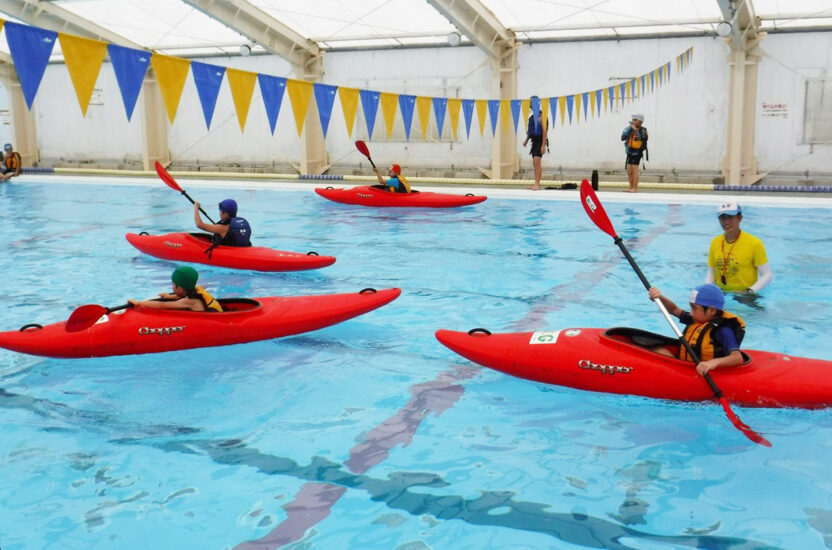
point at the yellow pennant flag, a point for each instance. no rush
(592, 102)
(628, 91)
(544, 106)
(83, 58)
(389, 104)
(2, 21)
(562, 107)
(605, 98)
(525, 108)
(349, 104)
(679, 63)
(577, 104)
(171, 73)
(482, 108)
(454, 105)
(300, 91)
(423, 108)
(242, 88)
(505, 115)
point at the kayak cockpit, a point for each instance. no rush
(649, 340)
(233, 305)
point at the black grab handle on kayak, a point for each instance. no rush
(26, 328)
(330, 187)
(312, 253)
(144, 233)
(367, 290)
(479, 329)
(469, 194)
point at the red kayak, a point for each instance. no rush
(370, 195)
(190, 247)
(618, 360)
(143, 330)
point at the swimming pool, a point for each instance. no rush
(370, 434)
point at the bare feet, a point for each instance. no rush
(630, 190)
(535, 188)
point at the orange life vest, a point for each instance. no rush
(207, 299)
(700, 336)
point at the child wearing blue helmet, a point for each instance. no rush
(714, 334)
(11, 163)
(231, 230)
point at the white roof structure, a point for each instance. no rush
(179, 28)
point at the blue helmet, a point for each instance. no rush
(708, 295)
(8, 147)
(229, 206)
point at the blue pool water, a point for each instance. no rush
(370, 434)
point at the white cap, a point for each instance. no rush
(729, 208)
(638, 116)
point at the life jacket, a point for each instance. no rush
(700, 336)
(12, 162)
(210, 303)
(238, 234)
(637, 141)
(535, 130)
(404, 183)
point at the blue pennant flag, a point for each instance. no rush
(494, 111)
(599, 101)
(325, 97)
(585, 101)
(30, 48)
(208, 79)
(468, 113)
(440, 105)
(369, 102)
(667, 71)
(535, 105)
(553, 106)
(652, 80)
(130, 67)
(570, 102)
(272, 88)
(623, 88)
(406, 105)
(611, 92)
(515, 112)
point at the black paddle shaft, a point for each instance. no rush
(646, 283)
(187, 196)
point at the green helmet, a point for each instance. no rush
(185, 276)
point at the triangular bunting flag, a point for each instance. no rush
(369, 104)
(423, 108)
(208, 79)
(514, 105)
(349, 104)
(171, 73)
(83, 58)
(300, 92)
(325, 100)
(440, 105)
(30, 48)
(388, 110)
(453, 110)
(570, 101)
(406, 106)
(482, 107)
(130, 67)
(468, 114)
(562, 101)
(242, 89)
(505, 112)
(586, 104)
(544, 111)
(494, 111)
(272, 88)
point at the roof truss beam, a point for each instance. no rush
(479, 24)
(268, 32)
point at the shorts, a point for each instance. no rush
(537, 147)
(634, 158)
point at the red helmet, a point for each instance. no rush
(396, 169)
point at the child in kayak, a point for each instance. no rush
(186, 294)
(714, 334)
(231, 229)
(396, 182)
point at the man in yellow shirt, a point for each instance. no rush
(737, 260)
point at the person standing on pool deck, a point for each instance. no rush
(537, 132)
(186, 294)
(231, 230)
(634, 137)
(737, 260)
(714, 334)
(396, 182)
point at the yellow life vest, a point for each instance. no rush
(635, 142)
(207, 299)
(404, 182)
(700, 336)
(12, 162)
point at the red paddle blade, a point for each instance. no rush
(362, 148)
(741, 426)
(167, 178)
(84, 317)
(595, 210)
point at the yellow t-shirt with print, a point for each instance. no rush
(736, 261)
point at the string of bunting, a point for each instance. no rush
(31, 47)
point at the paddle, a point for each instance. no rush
(595, 211)
(362, 148)
(86, 316)
(168, 179)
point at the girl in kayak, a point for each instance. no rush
(230, 231)
(396, 182)
(186, 294)
(714, 334)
